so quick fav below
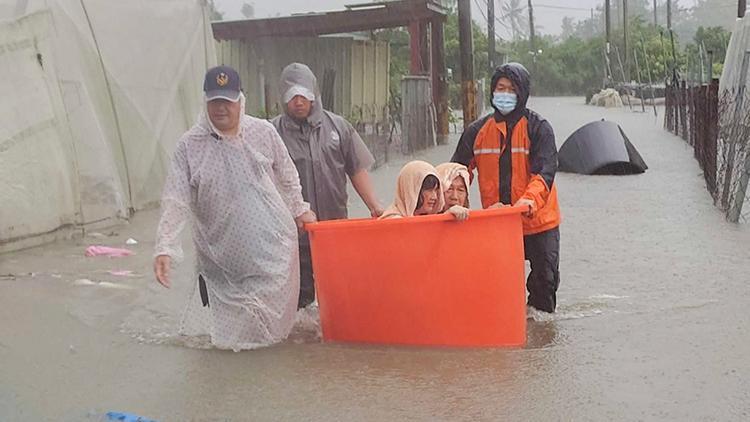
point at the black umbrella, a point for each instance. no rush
(600, 148)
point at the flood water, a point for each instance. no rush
(652, 322)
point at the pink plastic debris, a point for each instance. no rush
(121, 273)
(98, 250)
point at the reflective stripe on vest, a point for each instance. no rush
(487, 152)
(480, 151)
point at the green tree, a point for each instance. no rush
(398, 39)
(514, 12)
(453, 56)
(713, 13)
(568, 27)
(575, 65)
(714, 39)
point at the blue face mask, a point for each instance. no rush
(504, 102)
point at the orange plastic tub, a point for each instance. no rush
(426, 280)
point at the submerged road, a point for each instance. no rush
(652, 322)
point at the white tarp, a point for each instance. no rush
(95, 94)
(738, 44)
(734, 109)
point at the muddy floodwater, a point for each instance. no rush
(652, 321)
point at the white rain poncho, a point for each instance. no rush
(241, 194)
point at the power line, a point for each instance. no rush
(481, 11)
(486, 20)
(545, 6)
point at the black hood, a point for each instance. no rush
(520, 77)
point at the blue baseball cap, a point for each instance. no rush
(222, 82)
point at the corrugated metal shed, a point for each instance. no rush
(360, 68)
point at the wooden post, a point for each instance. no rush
(607, 26)
(466, 47)
(640, 82)
(262, 89)
(712, 133)
(424, 47)
(650, 79)
(439, 80)
(415, 49)
(625, 39)
(622, 71)
(491, 35)
(532, 43)
(607, 20)
(669, 15)
(683, 109)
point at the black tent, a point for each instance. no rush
(600, 147)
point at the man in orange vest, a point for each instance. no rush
(514, 152)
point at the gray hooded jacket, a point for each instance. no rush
(325, 148)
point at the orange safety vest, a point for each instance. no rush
(487, 152)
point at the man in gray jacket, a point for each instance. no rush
(325, 149)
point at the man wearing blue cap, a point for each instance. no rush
(232, 177)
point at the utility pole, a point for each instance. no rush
(607, 47)
(607, 22)
(656, 21)
(439, 80)
(531, 32)
(669, 15)
(466, 47)
(491, 34)
(625, 39)
(674, 61)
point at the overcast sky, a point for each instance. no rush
(549, 19)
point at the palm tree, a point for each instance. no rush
(514, 16)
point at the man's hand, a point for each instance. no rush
(363, 185)
(528, 203)
(305, 218)
(162, 264)
(377, 211)
(461, 213)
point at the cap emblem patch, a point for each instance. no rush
(222, 79)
